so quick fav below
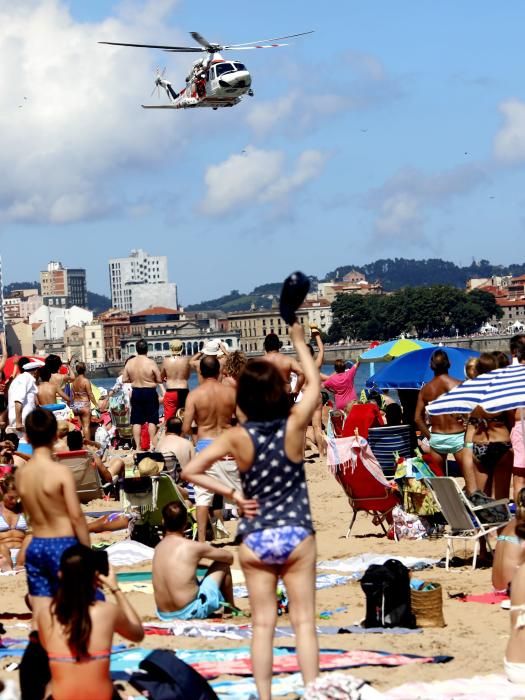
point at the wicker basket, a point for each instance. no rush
(427, 606)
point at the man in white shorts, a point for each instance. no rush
(212, 406)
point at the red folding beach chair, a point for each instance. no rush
(359, 473)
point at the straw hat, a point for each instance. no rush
(149, 467)
(176, 347)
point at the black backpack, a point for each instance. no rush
(387, 591)
(169, 678)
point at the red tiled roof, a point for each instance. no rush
(155, 311)
(510, 302)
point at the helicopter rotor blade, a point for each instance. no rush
(202, 41)
(181, 49)
(249, 48)
(262, 41)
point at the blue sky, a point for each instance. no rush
(397, 129)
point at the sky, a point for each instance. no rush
(396, 129)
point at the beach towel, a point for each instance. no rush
(359, 564)
(282, 685)
(492, 687)
(328, 661)
(129, 552)
(214, 629)
(322, 581)
(490, 598)
(211, 663)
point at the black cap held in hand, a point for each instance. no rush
(294, 291)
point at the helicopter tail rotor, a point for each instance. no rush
(159, 82)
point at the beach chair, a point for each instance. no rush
(387, 441)
(85, 473)
(462, 516)
(359, 474)
(146, 496)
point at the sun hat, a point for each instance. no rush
(149, 467)
(35, 364)
(211, 348)
(176, 347)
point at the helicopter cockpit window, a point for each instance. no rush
(224, 68)
(239, 66)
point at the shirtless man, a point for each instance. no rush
(54, 363)
(212, 406)
(178, 595)
(175, 372)
(173, 442)
(447, 434)
(47, 390)
(284, 363)
(213, 348)
(143, 375)
(49, 497)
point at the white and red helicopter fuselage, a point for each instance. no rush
(216, 83)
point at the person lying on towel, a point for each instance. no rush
(178, 593)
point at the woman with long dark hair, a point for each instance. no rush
(77, 630)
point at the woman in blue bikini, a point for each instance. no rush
(276, 528)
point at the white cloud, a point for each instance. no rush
(358, 82)
(399, 214)
(401, 203)
(256, 177)
(70, 111)
(509, 143)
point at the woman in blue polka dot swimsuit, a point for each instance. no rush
(276, 524)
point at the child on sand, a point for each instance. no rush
(276, 527)
(50, 500)
(178, 594)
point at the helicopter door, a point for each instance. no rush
(212, 80)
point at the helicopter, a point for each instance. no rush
(212, 81)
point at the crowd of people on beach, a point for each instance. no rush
(240, 437)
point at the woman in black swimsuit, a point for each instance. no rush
(491, 445)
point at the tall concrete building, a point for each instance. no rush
(140, 281)
(63, 287)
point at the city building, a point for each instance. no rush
(319, 313)
(63, 287)
(20, 304)
(253, 326)
(140, 281)
(57, 320)
(500, 282)
(352, 283)
(94, 344)
(160, 325)
(115, 324)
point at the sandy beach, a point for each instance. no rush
(475, 634)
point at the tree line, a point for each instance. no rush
(427, 312)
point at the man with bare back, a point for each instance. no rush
(144, 376)
(447, 432)
(284, 363)
(175, 372)
(212, 406)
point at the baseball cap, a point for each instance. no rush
(211, 348)
(176, 347)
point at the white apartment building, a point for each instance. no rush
(93, 343)
(56, 321)
(140, 281)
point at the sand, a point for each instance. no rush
(475, 634)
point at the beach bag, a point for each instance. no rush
(407, 526)
(166, 677)
(387, 590)
(146, 533)
(427, 604)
